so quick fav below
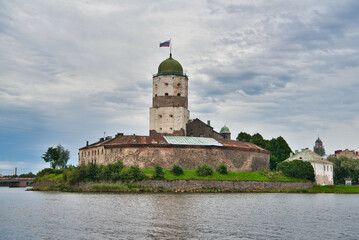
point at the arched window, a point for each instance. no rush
(160, 116)
(178, 84)
(155, 95)
(166, 84)
(178, 94)
(166, 94)
(171, 115)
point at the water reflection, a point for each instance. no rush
(53, 215)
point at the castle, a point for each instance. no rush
(173, 137)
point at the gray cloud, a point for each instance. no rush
(71, 70)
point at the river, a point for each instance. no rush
(56, 215)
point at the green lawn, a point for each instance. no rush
(237, 176)
(334, 189)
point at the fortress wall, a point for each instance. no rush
(188, 158)
(186, 185)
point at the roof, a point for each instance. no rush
(308, 156)
(318, 140)
(182, 140)
(224, 129)
(174, 141)
(170, 66)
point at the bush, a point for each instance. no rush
(204, 170)
(159, 174)
(222, 169)
(297, 169)
(111, 171)
(134, 173)
(176, 170)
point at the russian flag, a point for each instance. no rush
(165, 44)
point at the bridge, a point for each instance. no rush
(16, 182)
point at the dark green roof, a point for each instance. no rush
(318, 140)
(225, 129)
(170, 66)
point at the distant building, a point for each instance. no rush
(346, 153)
(348, 181)
(318, 147)
(323, 169)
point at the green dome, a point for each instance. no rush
(225, 129)
(169, 67)
(318, 140)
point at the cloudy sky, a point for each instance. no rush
(72, 70)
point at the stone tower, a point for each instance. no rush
(169, 112)
(225, 132)
(318, 147)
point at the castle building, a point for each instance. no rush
(169, 113)
(173, 137)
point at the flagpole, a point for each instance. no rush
(170, 46)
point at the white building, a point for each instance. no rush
(323, 169)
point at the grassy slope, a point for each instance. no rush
(237, 176)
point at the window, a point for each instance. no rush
(102, 151)
(160, 128)
(171, 128)
(155, 95)
(166, 84)
(171, 115)
(178, 94)
(178, 84)
(324, 168)
(160, 116)
(166, 94)
(173, 77)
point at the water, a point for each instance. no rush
(54, 215)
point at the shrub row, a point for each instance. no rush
(116, 172)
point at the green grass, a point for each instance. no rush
(334, 189)
(50, 177)
(231, 176)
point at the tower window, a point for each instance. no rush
(171, 128)
(160, 116)
(178, 94)
(155, 95)
(178, 84)
(171, 115)
(160, 128)
(166, 84)
(166, 94)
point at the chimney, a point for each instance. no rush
(87, 143)
(16, 171)
(102, 139)
(119, 135)
(209, 122)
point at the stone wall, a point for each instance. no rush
(224, 185)
(188, 157)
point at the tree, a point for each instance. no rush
(344, 167)
(278, 147)
(159, 174)
(297, 169)
(57, 157)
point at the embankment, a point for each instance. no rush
(174, 186)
